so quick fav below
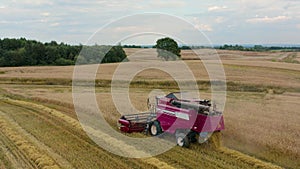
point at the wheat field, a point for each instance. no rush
(39, 126)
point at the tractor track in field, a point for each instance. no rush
(209, 157)
(18, 157)
(13, 154)
(74, 132)
(190, 156)
(56, 124)
(176, 158)
(60, 160)
(205, 158)
(190, 161)
(25, 152)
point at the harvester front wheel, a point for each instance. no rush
(182, 140)
(155, 128)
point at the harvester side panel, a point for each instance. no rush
(205, 123)
(172, 118)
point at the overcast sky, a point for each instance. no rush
(230, 21)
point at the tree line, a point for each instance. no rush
(23, 52)
(258, 48)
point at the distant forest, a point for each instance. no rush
(23, 52)
(257, 48)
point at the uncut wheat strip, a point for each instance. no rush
(247, 159)
(40, 159)
(108, 139)
(59, 159)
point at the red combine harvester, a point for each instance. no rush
(186, 118)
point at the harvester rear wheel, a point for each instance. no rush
(155, 128)
(182, 140)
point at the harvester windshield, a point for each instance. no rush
(180, 95)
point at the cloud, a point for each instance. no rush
(267, 19)
(168, 4)
(200, 25)
(35, 2)
(131, 29)
(216, 8)
(4, 22)
(220, 19)
(204, 27)
(32, 21)
(45, 14)
(55, 24)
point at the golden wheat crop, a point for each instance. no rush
(260, 116)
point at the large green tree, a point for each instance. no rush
(167, 48)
